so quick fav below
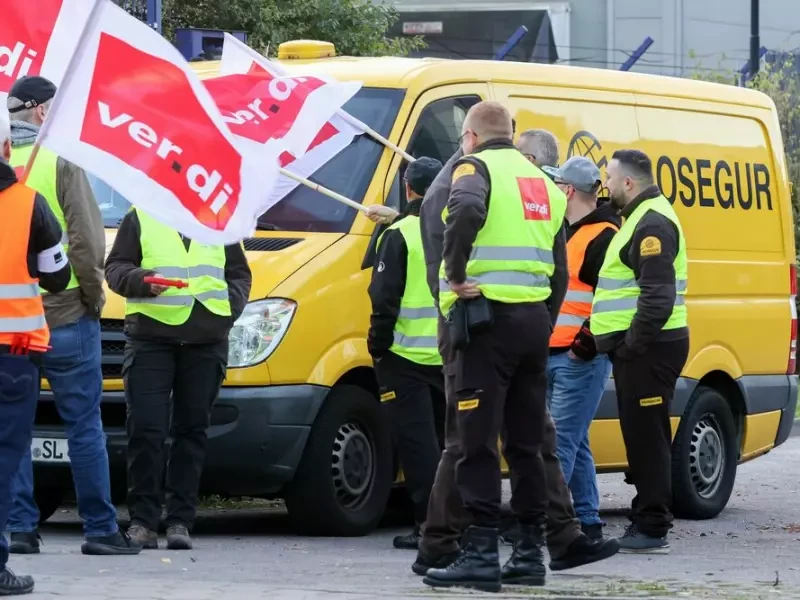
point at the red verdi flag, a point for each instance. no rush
(29, 29)
(132, 112)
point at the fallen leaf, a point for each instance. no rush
(166, 560)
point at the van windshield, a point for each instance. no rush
(303, 209)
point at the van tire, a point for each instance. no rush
(49, 499)
(704, 456)
(326, 500)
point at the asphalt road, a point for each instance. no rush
(750, 551)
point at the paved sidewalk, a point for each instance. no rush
(750, 551)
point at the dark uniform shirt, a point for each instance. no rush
(655, 276)
(584, 346)
(126, 278)
(468, 207)
(388, 285)
(45, 234)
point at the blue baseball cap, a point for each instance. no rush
(579, 172)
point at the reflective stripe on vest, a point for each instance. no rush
(415, 331)
(512, 257)
(577, 304)
(617, 292)
(21, 308)
(202, 267)
(42, 178)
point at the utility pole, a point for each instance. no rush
(755, 42)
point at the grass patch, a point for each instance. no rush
(216, 502)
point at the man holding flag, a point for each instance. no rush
(72, 367)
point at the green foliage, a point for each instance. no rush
(780, 82)
(356, 27)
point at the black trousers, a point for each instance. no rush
(191, 375)
(501, 384)
(412, 399)
(645, 385)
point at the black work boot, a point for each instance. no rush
(178, 537)
(407, 542)
(593, 531)
(24, 542)
(143, 537)
(14, 585)
(477, 566)
(584, 551)
(526, 564)
(119, 543)
(425, 562)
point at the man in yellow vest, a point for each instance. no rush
(176, 353)
(73, 366)
(576, 373)
(402, 342)
(504, 248)
(639, 319)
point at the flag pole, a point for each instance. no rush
(374, 134)
(323, 190)
(67, 73)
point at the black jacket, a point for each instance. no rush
(655, 276)
(45, 234)
(388, 285)
(583, 345)
(467, 209)
(125, 277)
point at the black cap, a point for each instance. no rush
(31, 91)
(421, 173)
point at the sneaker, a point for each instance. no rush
(25, 542)
(178, 538)
(593, 531)
(584, 551)
(636, 542)
(109, 545)
(14, 585)
(143, 537)
(407, 542)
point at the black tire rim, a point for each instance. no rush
(707, 456)
(353, 465)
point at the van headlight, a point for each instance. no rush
(259, 330)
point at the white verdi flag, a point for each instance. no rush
(40, 40)
(132, 112)
(333, 137)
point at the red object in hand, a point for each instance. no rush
(167, 282)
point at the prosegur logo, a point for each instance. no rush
(585, 144)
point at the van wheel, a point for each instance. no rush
(345, 476)
(704, 457)
(49, 500)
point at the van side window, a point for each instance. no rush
(435, 135)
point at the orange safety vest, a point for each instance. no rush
(577, 304)
(21, 310)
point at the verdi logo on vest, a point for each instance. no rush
(535, 198)
(148, 116)
(24, 35)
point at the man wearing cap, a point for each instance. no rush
(402, 341)
(576, 373)
(72, 366)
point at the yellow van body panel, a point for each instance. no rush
(722, 166)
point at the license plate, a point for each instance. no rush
(49, 450)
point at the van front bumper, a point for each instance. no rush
(255, 441)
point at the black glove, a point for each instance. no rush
(583, 346)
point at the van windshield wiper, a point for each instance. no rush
(263, 226)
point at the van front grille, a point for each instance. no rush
(112, 338)
(269, 244)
